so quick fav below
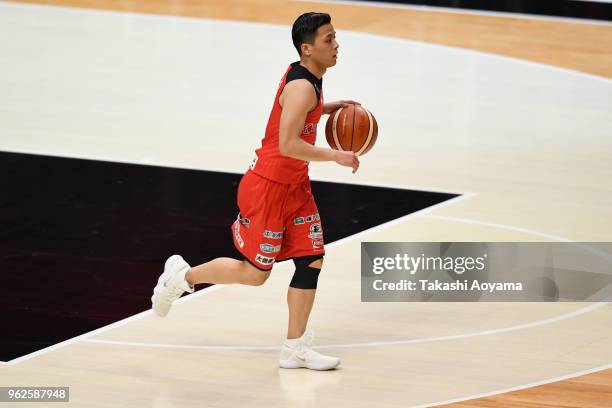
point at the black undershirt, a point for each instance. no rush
(300, 72)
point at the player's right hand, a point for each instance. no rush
(348, 159)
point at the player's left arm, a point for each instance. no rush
(333, 106)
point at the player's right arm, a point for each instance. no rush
(299, 98)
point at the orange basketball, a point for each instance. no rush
(353, 128)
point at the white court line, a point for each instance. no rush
(501, 226)
(437, 9)
(543, 322)
(518, 387)
(85, 336)
(602, 254)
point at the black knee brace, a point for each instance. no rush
(305, 276)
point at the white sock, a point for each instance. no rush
(294, 343)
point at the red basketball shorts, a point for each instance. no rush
(276, 221)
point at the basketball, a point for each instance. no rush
(352, 128)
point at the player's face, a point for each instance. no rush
(325, 48)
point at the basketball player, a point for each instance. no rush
(278, 217)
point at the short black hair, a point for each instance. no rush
(305, 28)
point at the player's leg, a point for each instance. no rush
(227, 270)
(300, 303)
(297, 350)
(304, 244)
(179, 277)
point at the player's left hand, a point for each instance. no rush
(333, 106)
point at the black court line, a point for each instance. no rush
(83, 241)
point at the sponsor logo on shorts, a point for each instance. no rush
(273, 234)
(314, 217)
(244, 221)
(317, 243)
(269, 249)
(315, 231)
(309, 218)
(237, 234)
(264, 260)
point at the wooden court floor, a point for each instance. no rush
(137, 364)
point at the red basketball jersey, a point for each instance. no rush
(268, 161)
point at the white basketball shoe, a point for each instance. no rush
(298, 353)
(170, 285)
